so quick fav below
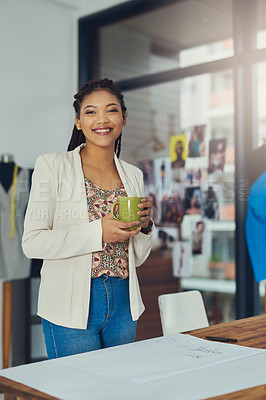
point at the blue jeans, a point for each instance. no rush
(109, 324)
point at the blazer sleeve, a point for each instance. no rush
(142, 243)
(142, 246)
(40, 238)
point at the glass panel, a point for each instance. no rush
(207, 52)
(181, 135)
(261, 34)
(177, 35)
(260, 73)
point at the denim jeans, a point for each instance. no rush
(109, 324)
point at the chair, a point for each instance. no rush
(182, 312)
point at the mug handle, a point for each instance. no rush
(112, 210)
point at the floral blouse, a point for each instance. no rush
(113, 260)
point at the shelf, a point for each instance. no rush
(209, 285)
(221, 226)
(215, 285)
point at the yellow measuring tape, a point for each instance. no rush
(13, 202)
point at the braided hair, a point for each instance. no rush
(89, 87)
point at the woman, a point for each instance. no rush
(197, 238)
(89, 296)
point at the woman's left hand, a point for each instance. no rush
(146, 211)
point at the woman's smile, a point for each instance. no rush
(102, 131)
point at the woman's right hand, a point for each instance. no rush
(114, 231)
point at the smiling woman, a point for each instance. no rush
(86, 299)
(106, 86)
(101, 120)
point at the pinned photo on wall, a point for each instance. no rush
(198, 229)
(193, 200)
(196, 176)
(178, 150)
(210, 203)
(163, 238)
(163, 176)
(155, 208)
(181, 253)
(217, 149)
(147, 168)
(196, 147)
(173, 206)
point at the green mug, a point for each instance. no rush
(128, 210)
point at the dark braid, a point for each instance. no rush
(77, 138)
(89, 87)
(118, 145)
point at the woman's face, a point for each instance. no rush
(193, 201)
(101, 118)
(200, 227)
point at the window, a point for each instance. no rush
(261, 24)
(196, 31)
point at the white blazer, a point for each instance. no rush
(57, 230)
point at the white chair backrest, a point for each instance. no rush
(182, 312)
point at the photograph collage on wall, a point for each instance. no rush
(186, 184)
(176, 186)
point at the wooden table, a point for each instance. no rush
(249, 332)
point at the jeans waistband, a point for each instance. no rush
(106, 277)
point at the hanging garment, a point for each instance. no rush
(13, 204)
(256, 227)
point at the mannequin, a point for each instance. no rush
(14, 190)
(7, 165)
(6, 174)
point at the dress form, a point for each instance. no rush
(7, 166)
(14, 266)
(6, 158)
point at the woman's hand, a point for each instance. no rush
(114, 231)
(145, 213)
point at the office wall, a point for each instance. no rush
(38, 43)
(37, 78)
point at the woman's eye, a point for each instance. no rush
(90, 112)
(113, 110)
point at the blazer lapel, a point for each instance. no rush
(125, 178)
(80, 183)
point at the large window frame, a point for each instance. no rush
(246, 55)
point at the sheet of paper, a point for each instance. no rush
(179, 354)
(160, 358)
(118, 372)
(164, 357)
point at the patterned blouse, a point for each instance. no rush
(113, 260)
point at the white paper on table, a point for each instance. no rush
(168, 356)
(115, 373)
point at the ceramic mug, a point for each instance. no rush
(127, 210)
